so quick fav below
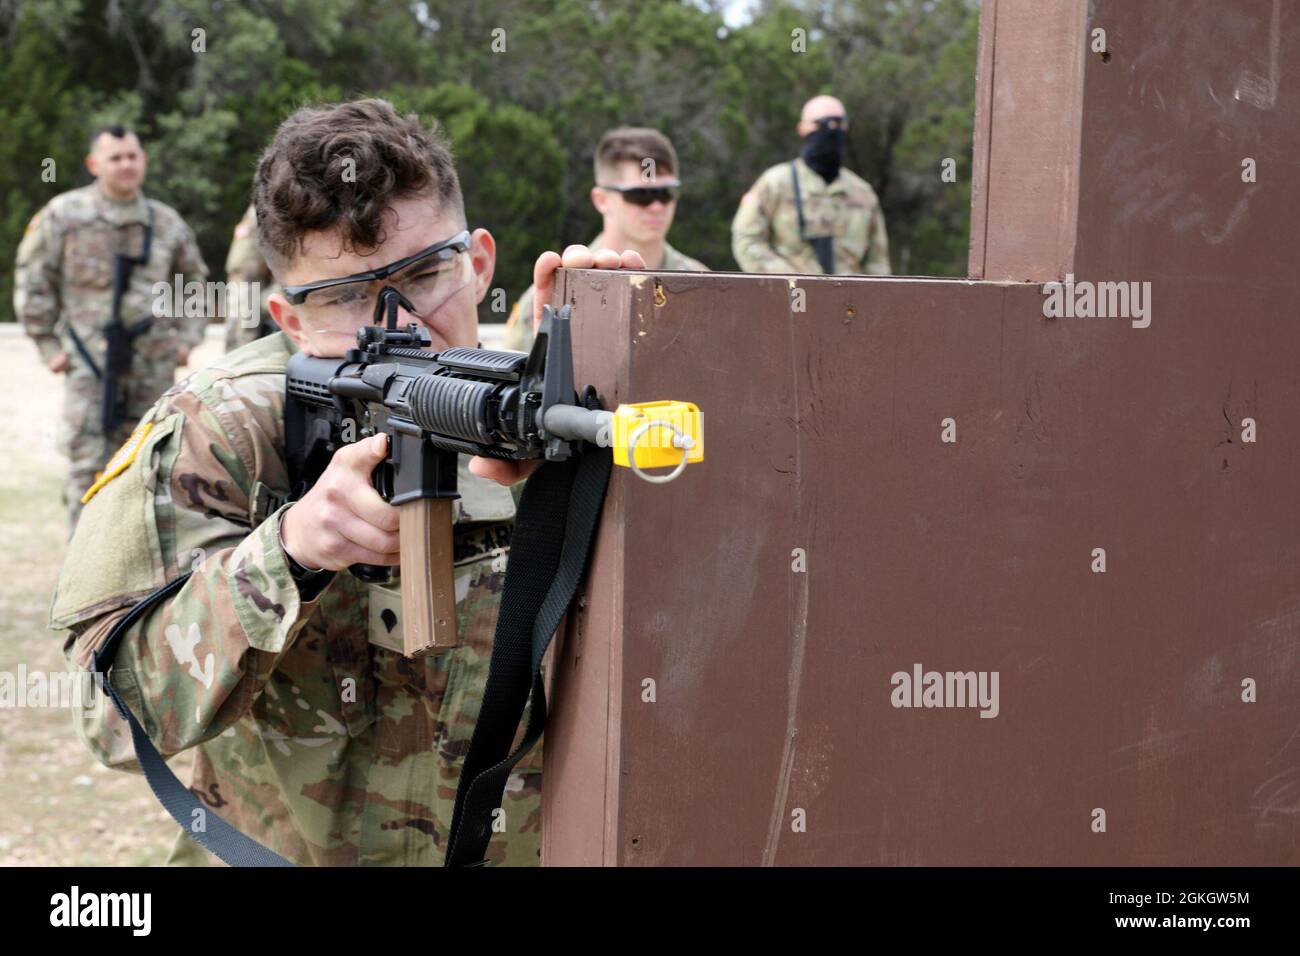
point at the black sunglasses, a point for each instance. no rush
(297, 294)
(832, 122)
(645, 195)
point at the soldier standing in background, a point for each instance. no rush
(244, 264)
(636, 201)
(812, 215)
(311, 730)
(64, 295)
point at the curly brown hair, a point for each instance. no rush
(305, 183)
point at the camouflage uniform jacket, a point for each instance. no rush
(64, 277)
(312, 735)
(519, 327)
(244, 263)
(765, 231)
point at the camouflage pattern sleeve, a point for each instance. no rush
(189, 263)
(519, 328)
(36, 282)
(675, 261)
(751, 231)
(246, 314)
(197, 662)
(244, 261)
(878, 254)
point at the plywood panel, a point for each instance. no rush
(1118, 691)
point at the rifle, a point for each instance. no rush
(436, 406)
(119, 338)
(823, 246)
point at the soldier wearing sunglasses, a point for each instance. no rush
(636, 195)
(313, 734)
(812, 215)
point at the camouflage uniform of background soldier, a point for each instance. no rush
(244, 263)
(63, 284)
(314, 735)
(519, 329)
(837, 203)
(636, 210)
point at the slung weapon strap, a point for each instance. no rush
(549, 547)
(215, 834)
(822, 246)
(798, 201)
(553, 533)
(119, 338)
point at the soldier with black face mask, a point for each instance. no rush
(812, 215)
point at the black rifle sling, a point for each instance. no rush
(128, 263)
(548, 554)
(84, 352)
(199, 823)
(798, 201)
(119, 338)
(549, 547)
(823, 246)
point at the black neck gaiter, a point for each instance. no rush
(823, 151)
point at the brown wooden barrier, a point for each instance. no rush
(1147, 713)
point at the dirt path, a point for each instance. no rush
(58, 805)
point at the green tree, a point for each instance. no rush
(905, 70)
(511, 170)
(42, 115)
(525, 89)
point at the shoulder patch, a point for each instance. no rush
(120, 461)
